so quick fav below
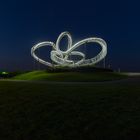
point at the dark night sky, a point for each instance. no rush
(24, 23)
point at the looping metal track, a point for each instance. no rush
(62, 58)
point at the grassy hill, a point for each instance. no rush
(66, 111)
(70, 76)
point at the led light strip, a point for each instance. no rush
(61, 58)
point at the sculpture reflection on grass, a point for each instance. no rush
(62, 58)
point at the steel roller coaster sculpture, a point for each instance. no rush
(62, 58)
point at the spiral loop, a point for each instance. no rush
(61, 58)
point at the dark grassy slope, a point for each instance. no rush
(70, 76)
(69, 112)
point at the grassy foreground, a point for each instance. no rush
(70, 76)
(42, 111)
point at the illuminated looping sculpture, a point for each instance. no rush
(62, 58)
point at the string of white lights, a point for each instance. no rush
(62, 58)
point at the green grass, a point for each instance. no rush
(42, 111)
(70, 76)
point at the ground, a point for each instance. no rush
(70, 76)
(70, 111)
